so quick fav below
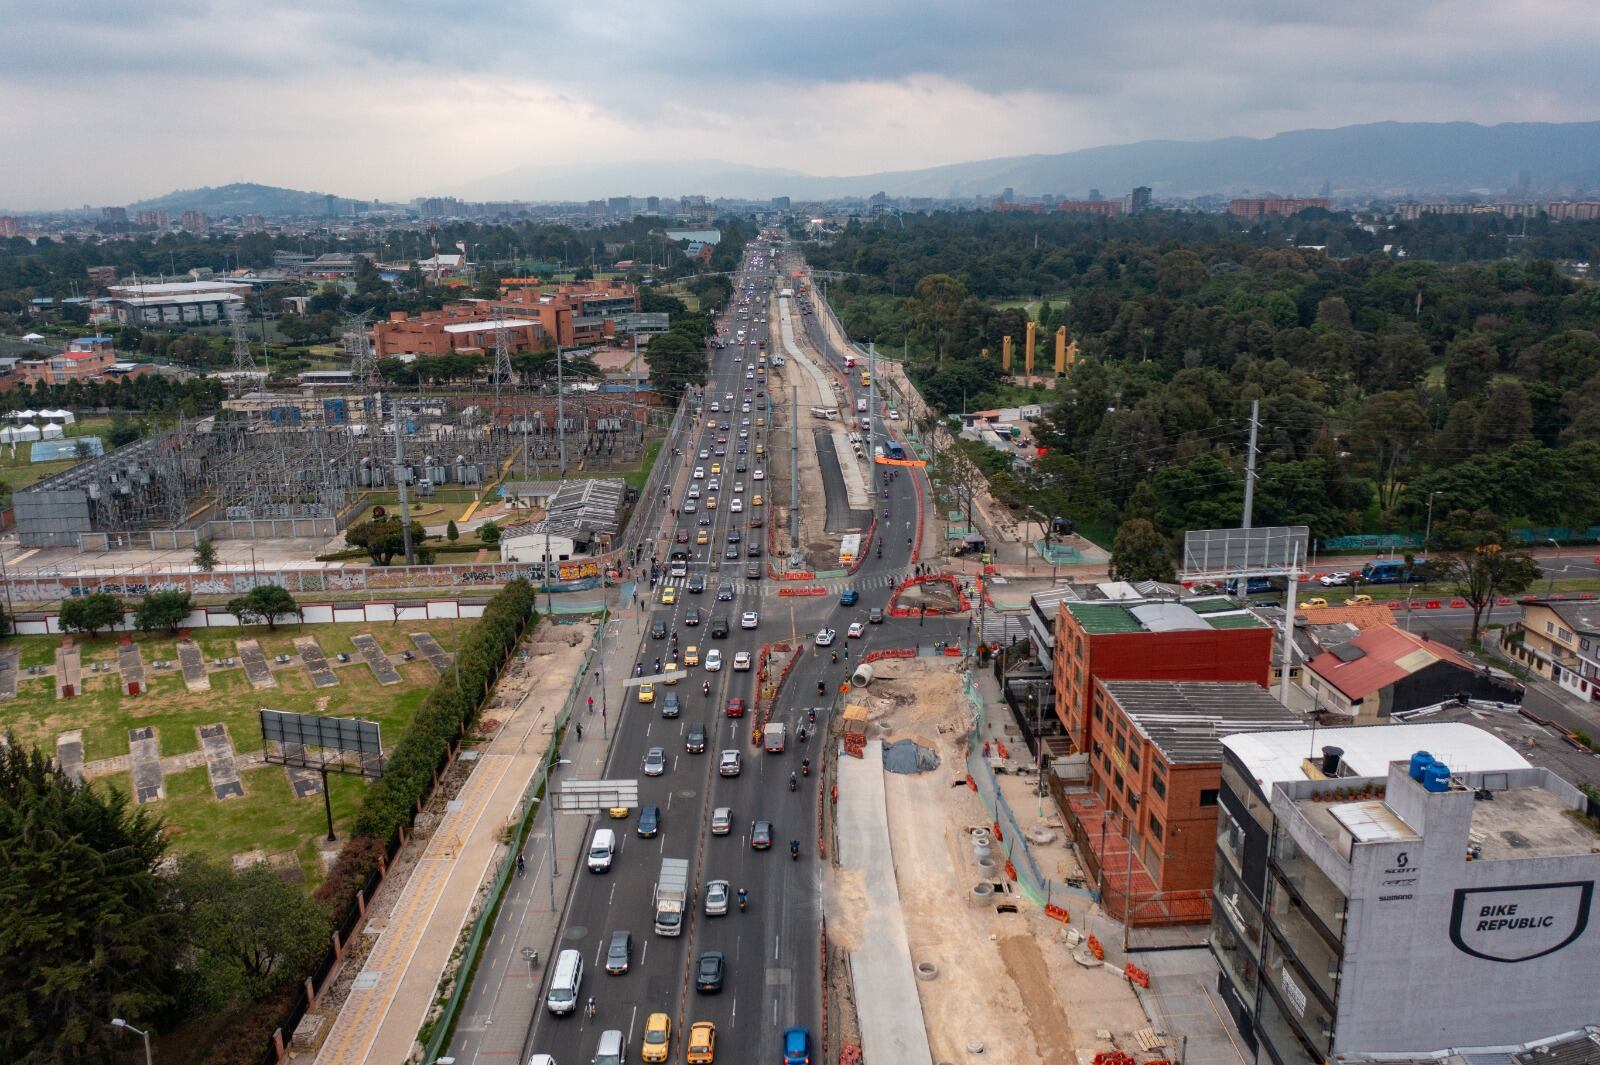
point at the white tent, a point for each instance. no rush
(54, 432)
(7, 434)
(25, 415)
(32, 338)
(65, 417)
(28, 432)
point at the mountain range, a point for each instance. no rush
(1381, 158)
(1377, 158)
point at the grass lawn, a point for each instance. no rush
(636, 478)
(19, 471)
(268, 817)
(1030, 304)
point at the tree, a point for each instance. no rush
(91, 613)
(205, 555)
(489, 533)
(252, 931)
(383, 538)
(1387, 429)
(1140, 553)
(264, 602)
(452, 533)
(162, 610)
(89, 930)
(1480, 565)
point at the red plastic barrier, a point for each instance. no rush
(1585, 595)
(1396, 604)
(799, 575)
(1058, 913)
(802, 591)
(1504, 600)
(1434, 604)
(953, 652)
(1457, 604)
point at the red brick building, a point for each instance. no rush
(576, 314)
(1147, 827)
(1204, 639)
(1108, 208)
(455, 329)
(1274, 207)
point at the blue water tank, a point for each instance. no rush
(1437, 778)
(1419, 764)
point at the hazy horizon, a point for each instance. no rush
(398, 100)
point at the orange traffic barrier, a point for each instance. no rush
(1100, 953)
(1058, 912)
(1011, 870)
(1136, 974)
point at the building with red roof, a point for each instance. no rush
(1385, 671)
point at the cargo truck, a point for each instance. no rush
(672, 896)
(772, 737)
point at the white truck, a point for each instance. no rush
(772, 737)
(861, 405)
(672, 896)
(825, 413)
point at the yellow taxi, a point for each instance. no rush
(671, 672)
(755, 501)
(702, 538)
(711, 502)
(716, 468)
(761, 423)
(761, 449)
(1359, 600)
(1314, 603)
(702, 1043)
(619, 813)
(669, 595)
(691, 655)
(647, 693)
(657, 1043)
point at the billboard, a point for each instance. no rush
(1217, 554)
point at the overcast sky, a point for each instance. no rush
(105, 103)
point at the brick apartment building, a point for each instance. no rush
(575, 314)
(1274, 206)
(85, 359)
(1201, 639)
(1147, 826)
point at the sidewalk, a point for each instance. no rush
(394, 992)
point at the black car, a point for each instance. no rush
(725, 592)
(658, 630)
(691, 616)
(752, 571)
(649, 821)
(741, 466)
(619, 953)
(734, 536)
(708, 973)
(695, 741)
(753, 549)
(697, 584)
(732, 552)
(719, 628)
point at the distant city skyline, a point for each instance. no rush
(109, 104)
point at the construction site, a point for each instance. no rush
(301, 464)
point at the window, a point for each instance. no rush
(1549, 627)
(1133, 759)
(1122, 744)
(1158, 783)
(1117, 777)
(1208, 796)
(1563, 635)
(1155, 827)
(1099, 710)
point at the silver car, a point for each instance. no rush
(717, 898)
(655, 762)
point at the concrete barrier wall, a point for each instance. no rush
(315, 614)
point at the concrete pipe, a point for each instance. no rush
(981, 835)
(981, 851)
(986, 867)
(1041, 835)
(975, 1046)
(926, 970)
(982, 894)
(862, 676)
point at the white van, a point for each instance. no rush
(602, 848)
(612, 1048)
(565, 983)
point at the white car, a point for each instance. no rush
(758, 474)
(728, 764)
(825, 637)
(741, 661)
(737, 505)
(717, 893)
(714, 485)
(694, 492)
(856, 629)
(713, 662)
(699, 473)
(689, 506)
(1336, 579)
(749, 619)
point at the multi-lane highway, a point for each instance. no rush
(772, 950)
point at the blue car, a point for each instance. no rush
(848, 597)
(649, 821)
(797, 1046)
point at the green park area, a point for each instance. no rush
(267, 818)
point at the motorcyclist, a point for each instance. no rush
(705, 687)
(811, 715)
(658, 665)
(522, 863)
(742, 898)
(835, 655)
(589, 1009)
(822, 688)
(794, 849)
(805, 767)
(794, 781)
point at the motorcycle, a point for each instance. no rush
(805, 767)
(822, 689)
(741, 900)
(794, 850)
(811, 715)
(794, 782)
(705, 687)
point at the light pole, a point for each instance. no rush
(1427, 531)
(118, 1022)
(1550, 586)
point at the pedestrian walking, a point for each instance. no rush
(580, 730)
(591, 704)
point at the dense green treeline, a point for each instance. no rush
(1382, 381)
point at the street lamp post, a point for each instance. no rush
(118, 1022)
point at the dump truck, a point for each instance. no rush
(672, 896)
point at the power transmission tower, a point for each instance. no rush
(243, 361)
(358, 349)
(503, 374)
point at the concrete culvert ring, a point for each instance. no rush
(982, 893)
(1041, 835)
(975, 1046)
(986, 866)
(926, 970)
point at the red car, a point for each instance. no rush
(683, 536)
(736, 707)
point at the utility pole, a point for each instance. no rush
(794, 476)
(1250, 464)
(561, 414)
(400, 482)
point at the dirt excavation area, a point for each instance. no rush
(1006, 979)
